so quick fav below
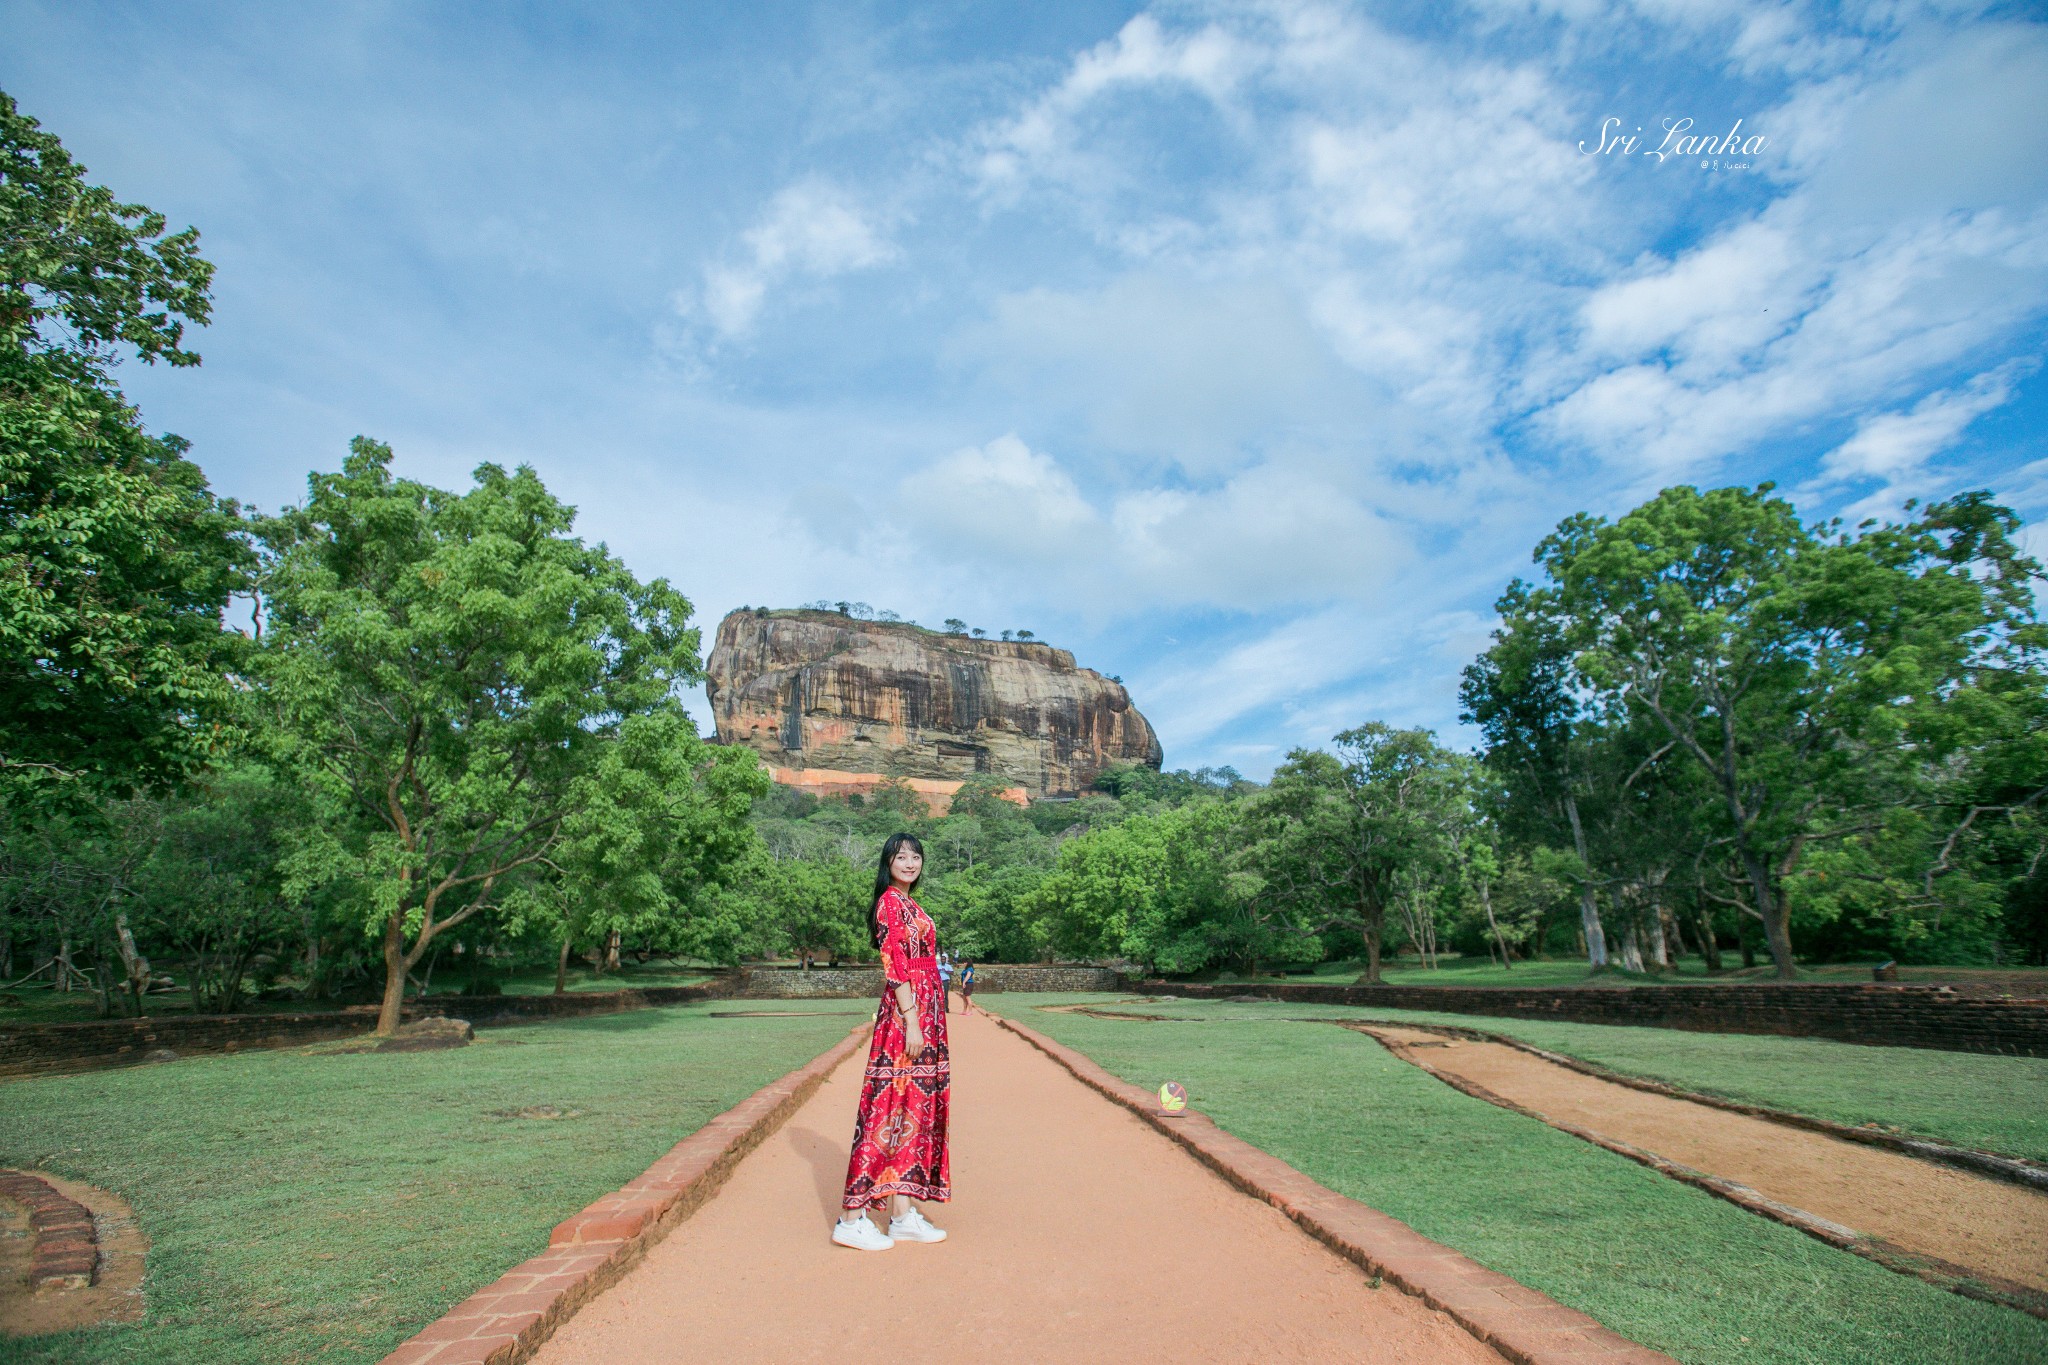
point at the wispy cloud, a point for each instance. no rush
(1894, 448)
(811, 230)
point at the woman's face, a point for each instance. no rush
(906, 865)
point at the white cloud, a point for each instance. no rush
(809, 230)
(1947, 124)
(1894, 448)
(1270, 535)
(1198, 372)
(1878, 321)
(1044, 133)
(1003, 500)
(1911, 237)
(1713, 307)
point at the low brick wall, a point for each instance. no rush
(790, 983)
(1025, 977)
(1887, 1016)
(47, 1049)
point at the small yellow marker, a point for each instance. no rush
(1173, 1097)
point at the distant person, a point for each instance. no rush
(967, 988)
(899, 1134)
(945, 981)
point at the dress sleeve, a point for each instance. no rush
(895, 935)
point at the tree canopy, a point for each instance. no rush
(116, 560)
(465, 682)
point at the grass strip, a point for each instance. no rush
(1658, 1261)
(313, 1206)
(1996, 1104)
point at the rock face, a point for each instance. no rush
(817, 693)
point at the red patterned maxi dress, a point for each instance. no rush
(899, 1135)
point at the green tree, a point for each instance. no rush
(1344, 830)
(1526, 698)
(1102, 884)
(115, 558)
(985, 914)
(1791, 666)
(213, 887)
(450, 670)
(657, 830)
(818, 909)
(73, 882)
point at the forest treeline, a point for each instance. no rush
(327, 750)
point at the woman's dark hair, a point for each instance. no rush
(883, 881)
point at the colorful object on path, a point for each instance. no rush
(1173, 1097)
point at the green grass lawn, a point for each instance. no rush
(1997, 1104)
(308, 1206)
(1664, 1263)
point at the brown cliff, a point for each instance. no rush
(821, 694)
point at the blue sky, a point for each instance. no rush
(1245, 349)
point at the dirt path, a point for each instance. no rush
(1077, 1233)
(1989, 1226)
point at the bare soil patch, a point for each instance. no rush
(1984, 1226)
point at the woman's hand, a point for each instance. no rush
(913, 1040)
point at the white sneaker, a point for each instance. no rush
(861, 1234)
(911, 1227)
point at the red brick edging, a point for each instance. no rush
(67, 1251)
(505, 1322)
(1523, 1324)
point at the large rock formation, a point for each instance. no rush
(821, 695)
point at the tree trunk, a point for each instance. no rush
(65, 970)
(1674, 933)
(1589, 908)
(1776, 915)
(1778, 935)
(562, 968)
(133, 964)
(1710, 946)
(1372, 951)
(1631, 947)
(392, 1009)
(1486, 899)
(611, 951)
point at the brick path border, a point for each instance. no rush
(1523, 1324)
(67, 1250)
(506, 1321)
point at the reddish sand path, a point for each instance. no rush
(1077, 1234)
(1986, 1225)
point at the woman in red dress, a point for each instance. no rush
(899, 1135)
